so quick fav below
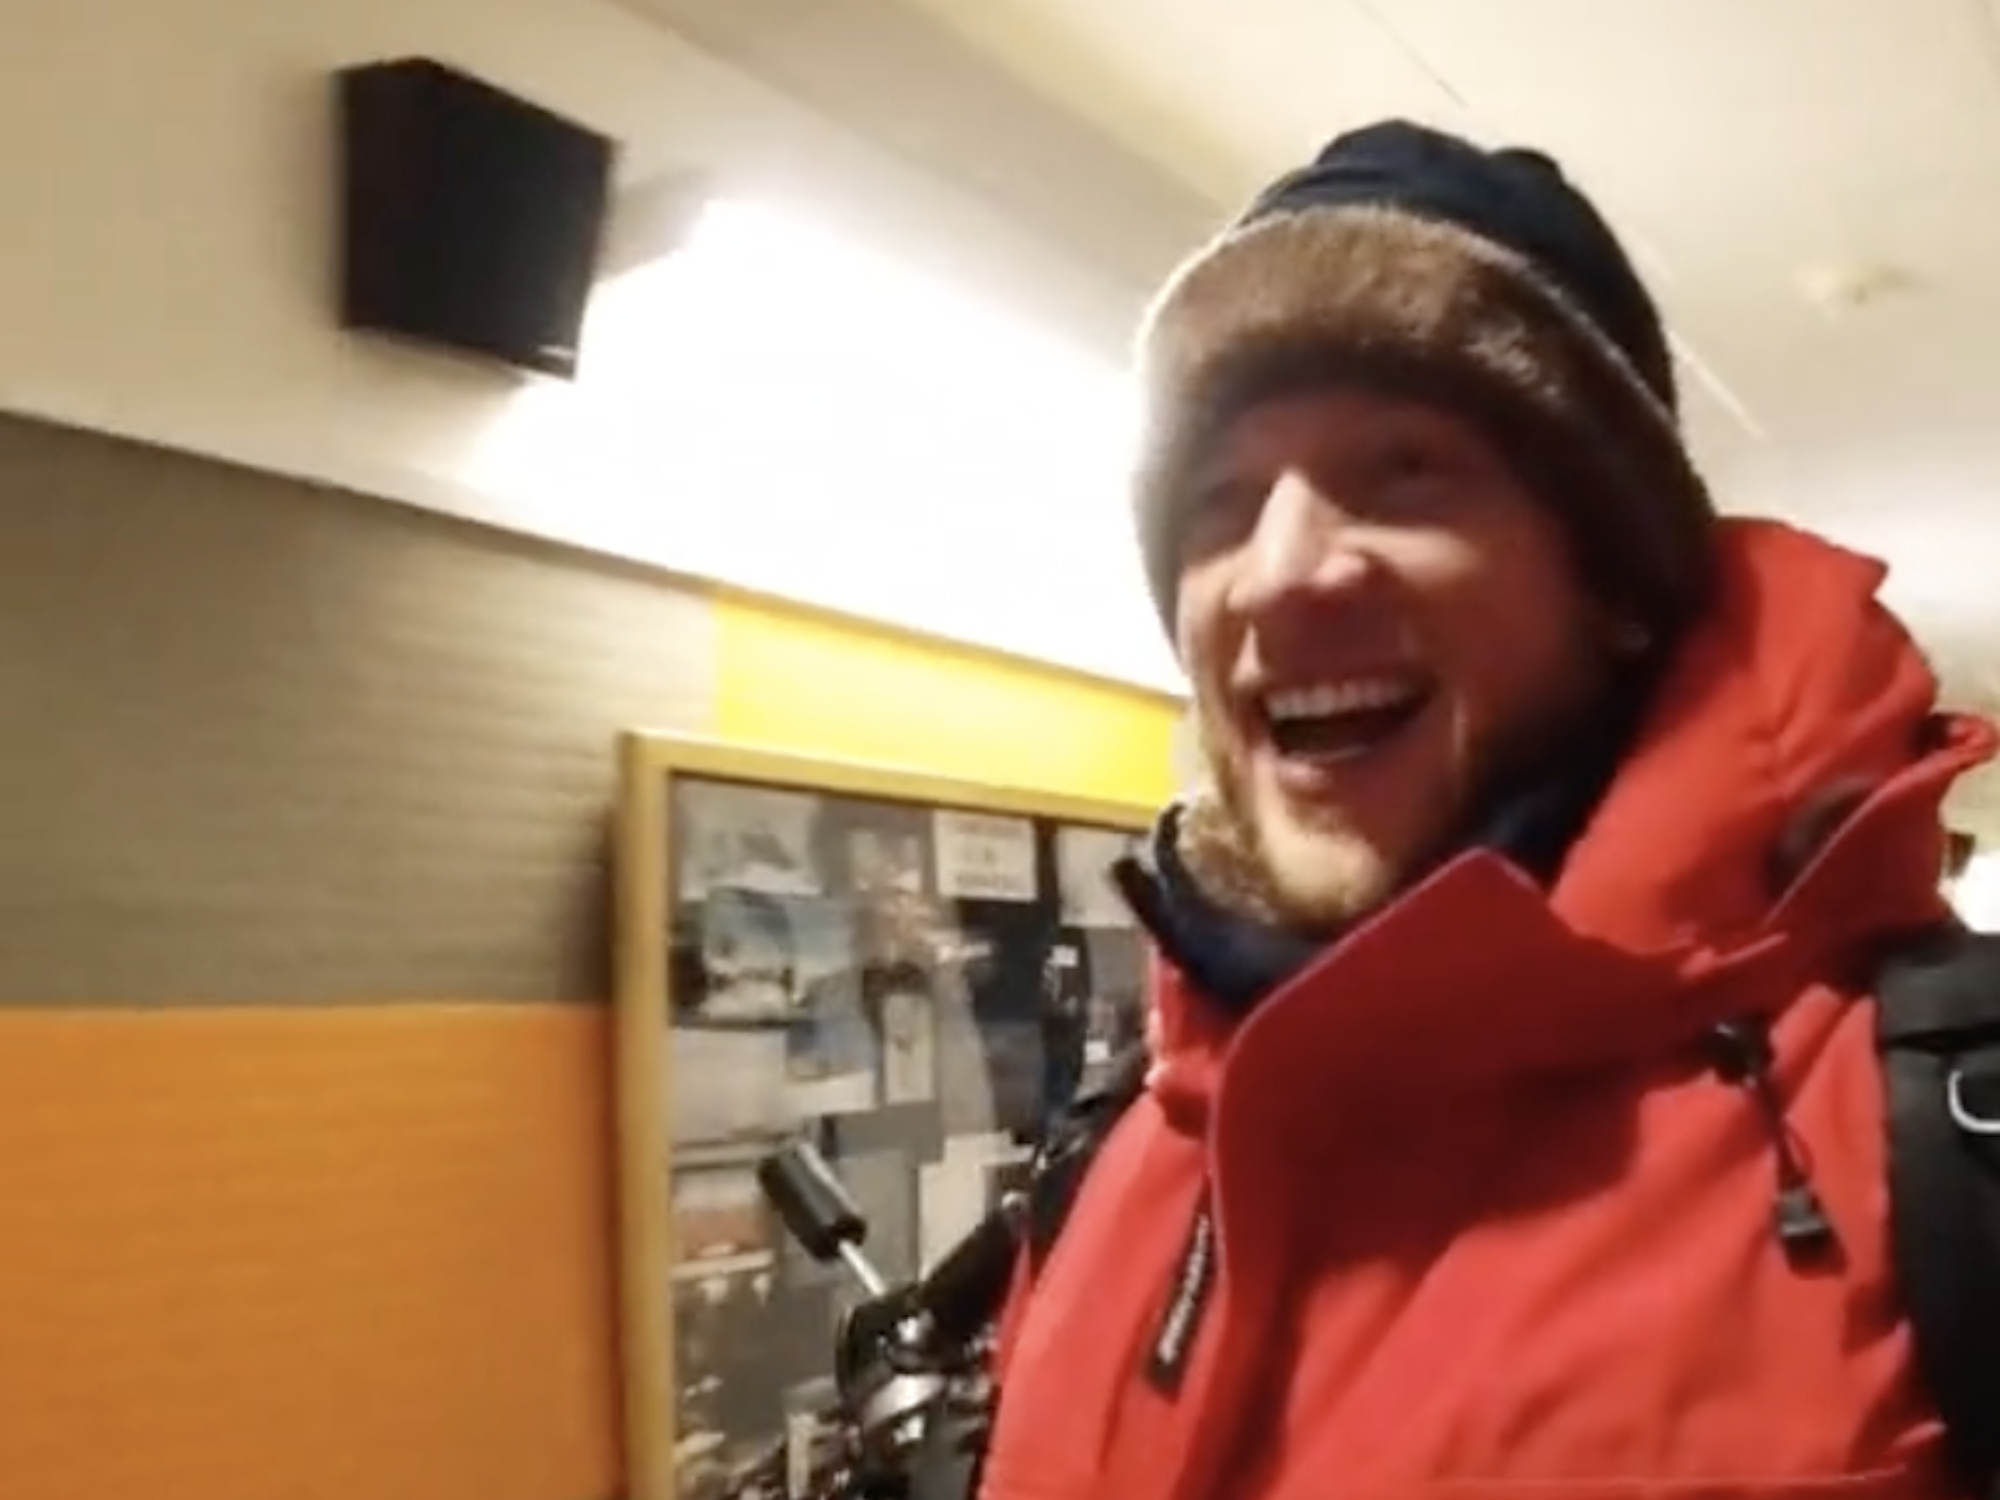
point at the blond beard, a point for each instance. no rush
(1220, 845)
(1322, 879)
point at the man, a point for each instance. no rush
(1512, 1124)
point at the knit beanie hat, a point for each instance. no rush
(1410, 260)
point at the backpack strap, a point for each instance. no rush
(1072, 1145)
(1938, 1030)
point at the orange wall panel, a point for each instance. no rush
(353, 1253)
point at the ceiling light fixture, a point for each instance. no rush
(1837, 287)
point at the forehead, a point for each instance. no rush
(1329, 419)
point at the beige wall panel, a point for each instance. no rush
(260, 742)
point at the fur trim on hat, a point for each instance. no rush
(1425, 307)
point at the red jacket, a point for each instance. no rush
(1483, 1220)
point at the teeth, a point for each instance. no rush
(1325, 700)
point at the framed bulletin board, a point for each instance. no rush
(911, 970)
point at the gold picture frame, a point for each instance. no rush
(665, 871)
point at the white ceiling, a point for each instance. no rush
(1753, 154)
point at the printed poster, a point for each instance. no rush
(981, 857)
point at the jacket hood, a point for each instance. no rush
(1778, 814)
(1790, 776)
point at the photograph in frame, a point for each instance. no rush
(1084, 859)
(748, 838)
(726, 1311)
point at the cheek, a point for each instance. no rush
(1204, 640)
(1519, 667)
(1194, 616)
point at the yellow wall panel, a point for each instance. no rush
(808, 683)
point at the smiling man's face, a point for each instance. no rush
(1382, 625)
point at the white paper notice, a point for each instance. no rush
(984, 858)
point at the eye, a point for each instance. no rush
(1216, 513)
(1408, 460)
(1409, 470)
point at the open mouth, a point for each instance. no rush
(1336, 722)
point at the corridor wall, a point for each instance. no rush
(305, 1182)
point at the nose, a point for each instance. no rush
(1303, 548)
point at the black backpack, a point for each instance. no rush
(1938, 1032)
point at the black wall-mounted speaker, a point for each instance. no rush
(470, 219)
